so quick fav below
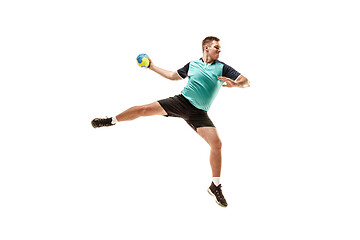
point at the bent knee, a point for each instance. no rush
(217, 144)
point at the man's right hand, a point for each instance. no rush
(151, 66)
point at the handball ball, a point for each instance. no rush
(143, 60)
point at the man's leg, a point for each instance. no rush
(210, 135)
(130, 114)
(141, 111)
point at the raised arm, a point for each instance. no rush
(165, 73)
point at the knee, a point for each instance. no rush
(143, 110)
(217, 144)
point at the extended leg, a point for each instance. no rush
(141, 111)
(130, 114)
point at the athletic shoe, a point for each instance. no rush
(217, 193)
(101, 122)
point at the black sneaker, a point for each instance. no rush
(217, 193)
(101, 122)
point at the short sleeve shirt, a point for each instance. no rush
(203, 84)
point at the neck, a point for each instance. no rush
(208, 59)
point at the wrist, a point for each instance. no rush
(152, 66)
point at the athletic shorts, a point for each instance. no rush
(179, 106)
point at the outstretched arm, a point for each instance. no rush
(165, 73)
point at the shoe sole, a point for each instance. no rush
(209, 191)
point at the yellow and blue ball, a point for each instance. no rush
(143, 60)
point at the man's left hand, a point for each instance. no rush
(241, 82)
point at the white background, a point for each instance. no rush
(290, 141)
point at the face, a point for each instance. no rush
(214, 50)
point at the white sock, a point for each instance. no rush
(114, 120)
(216, 181)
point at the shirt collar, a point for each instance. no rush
(207, 63)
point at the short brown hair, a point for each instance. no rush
(208, 40)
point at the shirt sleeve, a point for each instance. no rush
(183, 72)
(229, 72)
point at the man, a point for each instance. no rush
(206, 76)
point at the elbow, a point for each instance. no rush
(243, 79)
(174, 76)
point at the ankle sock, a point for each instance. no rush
(216, 181)
(114, 120)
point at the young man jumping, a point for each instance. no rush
(205, 78)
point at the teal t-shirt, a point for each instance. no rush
(203, 85)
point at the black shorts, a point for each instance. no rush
(179, 106)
